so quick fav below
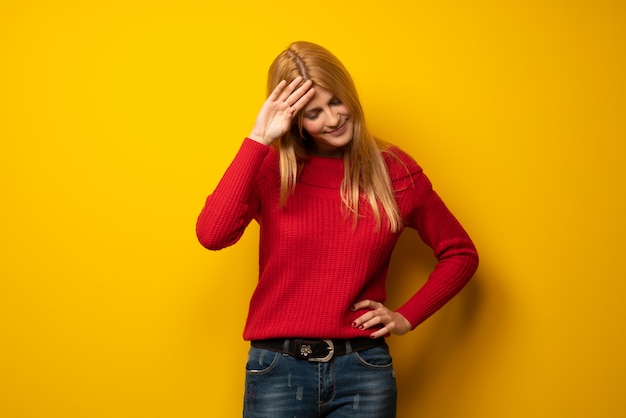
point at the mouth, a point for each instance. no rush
(340, 130)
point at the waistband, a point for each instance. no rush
(316, 350)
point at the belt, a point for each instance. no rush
(317, 350)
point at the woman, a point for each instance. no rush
(331, 202)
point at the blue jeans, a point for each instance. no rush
(359, 384)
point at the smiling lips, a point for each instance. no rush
(339, 131)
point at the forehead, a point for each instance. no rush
(321, 98)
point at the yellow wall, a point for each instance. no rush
(117, 118)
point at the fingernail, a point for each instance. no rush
(354, 324)
(361, 327)
(353, 308)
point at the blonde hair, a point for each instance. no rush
(366, 174)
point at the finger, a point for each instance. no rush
(380, 333)
(277, 90)
(377, 320)
(301, 95)
(303, 100)
(289, 88)
(372, 318)
(385, 326)
(366, 304)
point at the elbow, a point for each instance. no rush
(210, 232)
(460, 249)
(209, 237)
(209, 244)
(466, 266)
(470, 261)
(218, 228)
(473, 265)
(473, 261)
(211, 241)
(218, 236)
(463, 259)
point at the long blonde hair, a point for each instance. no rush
(366, 174)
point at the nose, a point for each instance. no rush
(333, 118)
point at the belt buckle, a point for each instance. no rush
(327, 357)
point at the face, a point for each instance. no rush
(328, 122)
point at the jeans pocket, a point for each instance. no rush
(261, 361)
(375, 358)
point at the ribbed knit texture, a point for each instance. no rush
(313, 264)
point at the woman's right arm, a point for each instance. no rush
(230, 208)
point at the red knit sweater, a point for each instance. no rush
(313, 264)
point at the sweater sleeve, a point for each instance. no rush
(234, 203)
(457, 258)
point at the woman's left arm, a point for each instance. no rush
(455, 252)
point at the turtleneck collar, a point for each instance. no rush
(327, 172)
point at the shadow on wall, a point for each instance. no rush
(447, 344)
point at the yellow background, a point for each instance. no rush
(117, 118)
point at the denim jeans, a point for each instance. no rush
(359, 384)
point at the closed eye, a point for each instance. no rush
(312, 115)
